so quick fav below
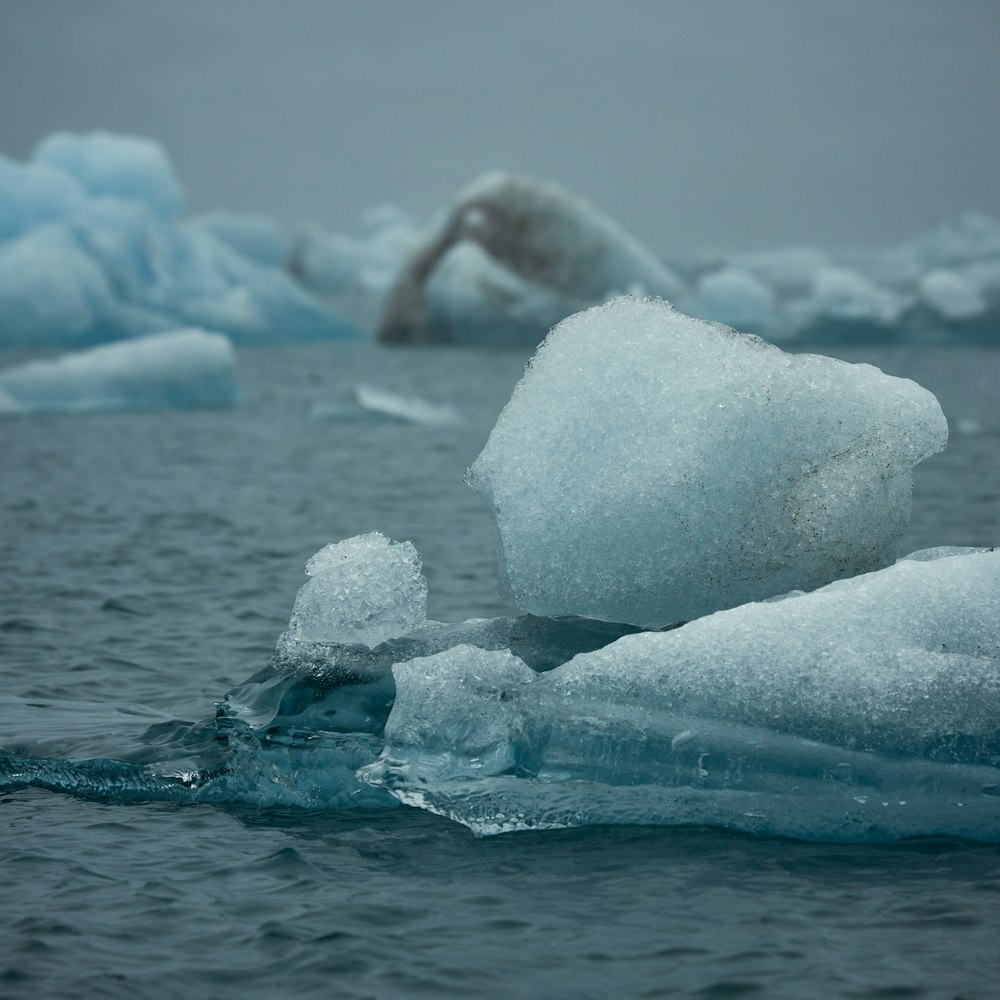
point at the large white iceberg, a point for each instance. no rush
(183, 368)
(540, 253)
(92, 249)
(653, 468)
(867, 710)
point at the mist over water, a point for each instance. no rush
(699, 126)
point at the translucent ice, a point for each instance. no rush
(364, 590)
(869, 709)
(542, 237)
(652, 468)
(183, 368)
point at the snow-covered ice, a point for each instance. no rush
(180, 369)
(653, 468)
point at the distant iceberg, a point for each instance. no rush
(940, 287)
(180, 369)
(92, 249)
(530, 251)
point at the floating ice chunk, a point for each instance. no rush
(952, 295)
(867, 710)
(184, 368)
(652, 468)
(407, 409)
(372, 404)
(541, 234)
(364, 590)
(258, 237)
(737, 298)
(116, 166)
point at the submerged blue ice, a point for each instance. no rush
(867, 710)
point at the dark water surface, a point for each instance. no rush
(148, 563)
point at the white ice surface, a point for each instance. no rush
(652, 468)
(366, 589)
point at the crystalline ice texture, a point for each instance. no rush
(364, 590)
(866, 710)
(652, 468)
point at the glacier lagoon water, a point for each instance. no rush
(150, 561)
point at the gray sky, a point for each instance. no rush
(698, 124)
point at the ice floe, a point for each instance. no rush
(179, 369)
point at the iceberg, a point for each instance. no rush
(736, 297)
(258, 237)
(653, 468)
(953, 295)
(866, 710)
(355, 273)
(93, 249)
(129, 168)
(514, 246)
(183, 368)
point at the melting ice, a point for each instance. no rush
(649, 469)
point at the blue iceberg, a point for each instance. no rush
(93, 249)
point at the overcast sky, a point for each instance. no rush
(699, 125)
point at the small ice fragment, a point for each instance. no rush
(364, 590)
